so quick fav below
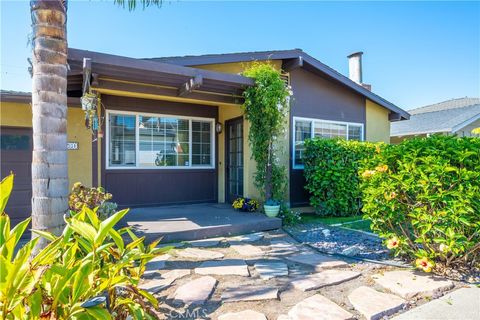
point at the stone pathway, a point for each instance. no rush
(318, 307)
(323, 279)
(269, 276)
(230, 267)
(249, 293)
(377, 305)
(195, 292)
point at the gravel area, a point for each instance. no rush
(339, 240)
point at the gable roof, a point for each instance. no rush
(447, 116)
(306, 61)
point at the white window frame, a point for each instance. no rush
(137, 141)
(312, 133)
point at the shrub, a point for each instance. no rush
(94, 198)
(331, 172)
(86, 273)
(423, 197)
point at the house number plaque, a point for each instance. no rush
(72, 145)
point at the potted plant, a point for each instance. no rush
(271, 208)
(266, 108)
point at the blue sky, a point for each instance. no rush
(416, 53)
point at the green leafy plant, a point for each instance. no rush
(422, 196)
(94, 198)
(331, 173)
(289, 216)
(266, 108)
(88, 272)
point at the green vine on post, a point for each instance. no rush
(266, 108)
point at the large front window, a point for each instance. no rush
(316, 128)
(157, 141)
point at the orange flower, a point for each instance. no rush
(383, 168)
(368, 173)
(393, 243)
(425, 264)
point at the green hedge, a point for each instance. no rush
(331, 171)
(423, 197)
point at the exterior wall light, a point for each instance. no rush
(218, 128)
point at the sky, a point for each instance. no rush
(415, 53)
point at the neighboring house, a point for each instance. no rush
(457, 116)
(174, 131)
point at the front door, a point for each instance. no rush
(234, 159)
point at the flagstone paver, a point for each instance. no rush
(252, 237)
(316, 260)
(373, 304)
(461, 304)
(281, 247)
(235, 267)
(212, 242)
(173, 244)
(318, 307)
(199, 254)
(249, 293)
(166, 279)
(156, 264)
(243, 315)
(195, 292)
(409, 284)
(247, 250)
(271, 269)
(323, 279)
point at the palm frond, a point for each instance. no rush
(132, 4)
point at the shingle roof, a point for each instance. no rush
(309, 63)
(445, 105)
(446, 116)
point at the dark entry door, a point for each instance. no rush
(234, 159)
(16, 156)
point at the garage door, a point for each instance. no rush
(16, 156)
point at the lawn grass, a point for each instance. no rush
(347, 222)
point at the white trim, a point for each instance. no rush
(312, 133)
(137, 141)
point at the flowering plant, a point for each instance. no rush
(245, 204)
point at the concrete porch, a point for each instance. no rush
(197, 221)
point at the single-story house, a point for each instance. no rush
(173, 130)
(457, 116)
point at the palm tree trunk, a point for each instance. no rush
(49, 108)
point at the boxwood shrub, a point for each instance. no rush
(423, 197)
(331, 172)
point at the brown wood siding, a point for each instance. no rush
(149, 187)
(316, 97)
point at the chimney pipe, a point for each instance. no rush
(355, 67)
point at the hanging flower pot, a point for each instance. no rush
(89, 101)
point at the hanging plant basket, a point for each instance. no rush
(89, 101)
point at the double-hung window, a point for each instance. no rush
(306, 128)
(157, 141)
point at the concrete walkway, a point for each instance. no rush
(193, 222)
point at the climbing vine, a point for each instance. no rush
(266, 108)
